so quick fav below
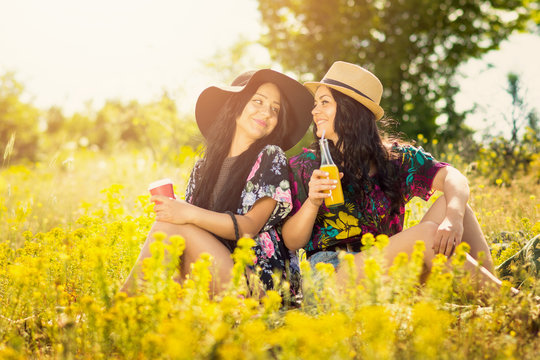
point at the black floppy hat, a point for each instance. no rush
(299, 98)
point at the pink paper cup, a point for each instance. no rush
(162, 187)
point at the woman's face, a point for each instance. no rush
(260, 115)
(324, 113)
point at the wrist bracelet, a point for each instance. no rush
(235, 223)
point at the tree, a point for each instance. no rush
(18, 122)
(506, 156)
(520, 112)
(413, 46)
(227, 63)
(156, 126)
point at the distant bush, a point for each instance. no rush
(505, 160)
(18, 123)
(31, 134)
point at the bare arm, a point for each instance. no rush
(181, 212)
(298, 228)
(456, 191)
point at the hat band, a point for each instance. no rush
(339, 83)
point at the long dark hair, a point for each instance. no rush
(361, 141)
(218, 144)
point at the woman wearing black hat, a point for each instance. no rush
(240, 187)
(380, 177)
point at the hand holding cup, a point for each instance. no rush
(162, 187)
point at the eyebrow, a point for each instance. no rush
(323, 95)
(266, 97)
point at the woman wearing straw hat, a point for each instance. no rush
(379, 177)
(240, 187)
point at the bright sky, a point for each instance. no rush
(484, 82)
(66, 52)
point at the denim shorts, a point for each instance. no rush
(329, 257)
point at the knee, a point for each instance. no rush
(172, 229)
(188, 232)
(429, 232)
(167, 228)
(441, 201)
(429, 229)
(469, 210)
(437, 211)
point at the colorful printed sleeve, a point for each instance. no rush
(301, 167)
(417, 169)
(190, 189)
(269, 177)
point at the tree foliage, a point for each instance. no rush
(155, 126)
(229, 62)
(117, 126)
(31, 134)
(517, 152)
(413, 46)
(18, 122)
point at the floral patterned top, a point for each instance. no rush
(267, 178)
(347, 223)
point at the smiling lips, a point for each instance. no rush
(319, 122)
(260, 122)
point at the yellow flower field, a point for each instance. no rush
(71, 229)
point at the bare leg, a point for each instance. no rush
(485, 278)
(198, 241)
(401, 242)
(472, 232)
(136, 271)
(405, 241)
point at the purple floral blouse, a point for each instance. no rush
(348, 222)
(269, 177)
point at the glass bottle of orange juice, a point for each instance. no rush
(327, 164)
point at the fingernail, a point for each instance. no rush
(335, 181)
(333, 186)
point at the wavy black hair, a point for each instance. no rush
(363, 145)
(218, 144)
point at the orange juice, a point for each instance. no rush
(336, 195)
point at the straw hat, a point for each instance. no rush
(354, 81)
(299, 116)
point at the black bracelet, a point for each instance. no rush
(235, 223)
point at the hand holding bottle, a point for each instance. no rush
(335, 197)
(320, 186)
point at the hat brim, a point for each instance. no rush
(373, 107)
(298, 97)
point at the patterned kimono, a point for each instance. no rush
(347, 223)
(268, 178)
